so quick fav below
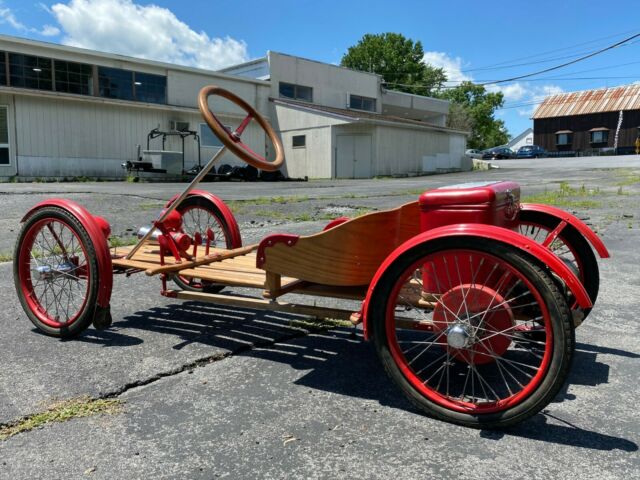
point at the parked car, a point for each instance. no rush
(498, 153)
(473, 153)
(531, 151)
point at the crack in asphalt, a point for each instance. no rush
(209, 359)
(200, 362)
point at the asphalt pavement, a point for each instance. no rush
(224, 392)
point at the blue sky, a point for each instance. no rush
(472, 40)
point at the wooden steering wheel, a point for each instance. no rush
(232, 139)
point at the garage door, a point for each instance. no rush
(353, 156)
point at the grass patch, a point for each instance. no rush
(284, 216)
(630, 179)
(61, 412)
(5, 257)
(150, 205)
(242, 206)
(319, 324)
(566, 196)
(306, 216)
(411, 191)
(115, 242)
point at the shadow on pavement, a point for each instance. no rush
(538, 428)
(339, 363)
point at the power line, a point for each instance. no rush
(566, 64)
(548, 79)
(599, 68)
(550, 51)
(519, 77)
(546, 60)
(544, 79)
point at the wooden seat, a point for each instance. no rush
(348, 254)
(240, 270)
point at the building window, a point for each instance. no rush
(564, 138)
(115, 83)
(150, 88)
(27, 71)
(296, 92)
(5, 158)
(208, 138)
(74, 77)
(362, 103)
(3, 69)
(600, 136)
(299, 141)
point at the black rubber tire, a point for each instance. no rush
(225, 169)
(86, 316)
(201, 202)
(250, 173)
(564, 333)
(573, 238)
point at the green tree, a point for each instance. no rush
(399, 60)
(472, 106)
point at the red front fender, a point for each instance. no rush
(227, 215)
(497, 234)
(96, 234)
(572, 220)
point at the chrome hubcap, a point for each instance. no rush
(458, 336)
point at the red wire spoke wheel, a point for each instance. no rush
(199, 215)
(56, 272)
(446, 320)
(232, 140)
(569, 245)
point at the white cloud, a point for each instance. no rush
(7, 16)
(50, 31)
(536, 94)
(514, 93)
(147, 31)
(452, 66)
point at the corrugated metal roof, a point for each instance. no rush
(590, 101)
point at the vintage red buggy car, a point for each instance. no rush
(471, 297)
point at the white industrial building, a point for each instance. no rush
(341, 123)
(68, 112)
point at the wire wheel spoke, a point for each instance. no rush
(458, 318)
(558, 246)
(199, 217)
(55, 264)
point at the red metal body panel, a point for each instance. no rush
(96, 233)
(575, 222)
(490, 203)
(497, 234)
(236, 239)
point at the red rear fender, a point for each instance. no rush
(501, 235)
(572, 220)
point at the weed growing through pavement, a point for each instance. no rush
(566, 196)
(61, 412)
